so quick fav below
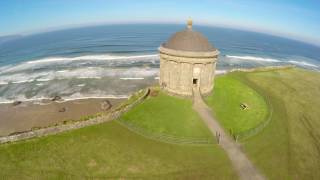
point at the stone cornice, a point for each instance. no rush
(189, 54)
(191, 60)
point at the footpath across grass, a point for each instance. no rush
(110, 151)
(289, 146)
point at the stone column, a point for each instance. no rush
(184, 77)
(162, 67)
(172, 75)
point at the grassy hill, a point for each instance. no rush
(110, 150)
(164, 114)
(229, 93)
(289, 146)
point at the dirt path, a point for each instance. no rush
(239, 160)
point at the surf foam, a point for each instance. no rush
(105, 59)
(102, 57)
(253, 58)
(303, 63)
(132, 78)
(64, 99)
(79, 73)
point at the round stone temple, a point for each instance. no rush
(187, 61)
(189, 23)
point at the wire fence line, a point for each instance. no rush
(254, 131)
(165, 137)
(197, 140)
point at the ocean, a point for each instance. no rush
(115, 60)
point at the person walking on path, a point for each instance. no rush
(218, 136)
(243, 166)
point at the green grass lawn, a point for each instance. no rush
(168, 115)
(226, 98)
(289, 147)
(109, 150)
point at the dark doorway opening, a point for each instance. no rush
(195, 81)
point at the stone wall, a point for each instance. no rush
(207, 76)
(80, 124)
(176, 77)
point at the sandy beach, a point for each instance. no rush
(27, 115)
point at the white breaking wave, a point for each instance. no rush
(5, 101)
(22, 81)
(79, 73)
(220, 72)
(37, 100)
(89, 77)
(43, 79)
(102, 57)
(132, 78)
(51, 61)
(22, 77)
(253, 58)
(303, 63)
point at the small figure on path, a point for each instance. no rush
(218, 136)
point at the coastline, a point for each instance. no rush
(45, 112)
(43, 101)
(264, 68)
(28, 114)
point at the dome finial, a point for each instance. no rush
(189, 22)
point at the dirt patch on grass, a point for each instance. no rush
(92, 163)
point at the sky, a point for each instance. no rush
(295, 19)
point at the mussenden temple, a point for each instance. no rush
(187, 61)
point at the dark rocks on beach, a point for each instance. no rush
(106, 105)
(62, 109)
(18, 132)
(56, 98)
(16, 103)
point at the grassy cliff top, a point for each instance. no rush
(110, 151)
(238, 106)
(289, 146)
(169, 115)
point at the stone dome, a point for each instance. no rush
(187, 62)
(189, 40)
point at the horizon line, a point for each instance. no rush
(83, 25)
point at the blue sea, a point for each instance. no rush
(115, 60)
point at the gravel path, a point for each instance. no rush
(239, 160)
